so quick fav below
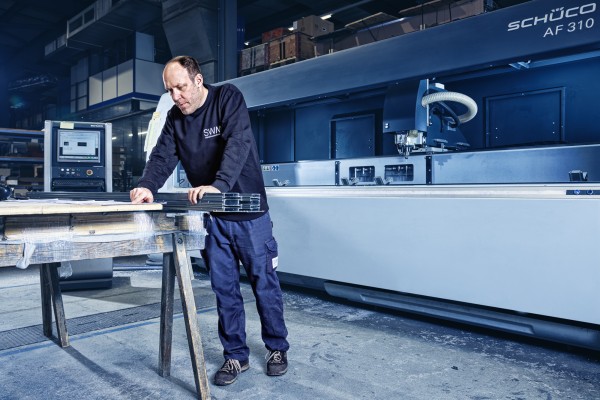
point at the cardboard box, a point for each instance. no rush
(294, 47)
(273, 34)
(417, 18)
(433, 14)
(466, 8)
(313, 26)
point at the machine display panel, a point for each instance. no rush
(78, 145)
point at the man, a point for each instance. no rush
(209, 131)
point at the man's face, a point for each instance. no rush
(186, 93)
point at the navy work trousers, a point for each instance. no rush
(252, 243)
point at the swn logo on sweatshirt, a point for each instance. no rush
(211, 132)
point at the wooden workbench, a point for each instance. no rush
(48, 232)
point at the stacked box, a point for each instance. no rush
(246, 58)
(254, 58)
(467, 8)
(313, 26)
(441, 14)
(420, 17)
(294, 47)
(273, 34)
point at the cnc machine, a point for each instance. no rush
(452, 172)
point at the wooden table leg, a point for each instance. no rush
(166, 315)
(51, 294)
(184, 278)
(46, 301)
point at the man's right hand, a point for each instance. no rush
(141, 195)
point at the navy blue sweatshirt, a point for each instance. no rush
(216, 147)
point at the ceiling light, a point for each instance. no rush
(326, 16)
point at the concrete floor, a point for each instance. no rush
(339, 351)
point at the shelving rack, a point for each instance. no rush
(22, 158)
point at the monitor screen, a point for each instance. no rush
(78, 145)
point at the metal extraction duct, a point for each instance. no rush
(101, 23)
(191, 28)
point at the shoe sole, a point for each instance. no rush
(278, 373)
(225, 383)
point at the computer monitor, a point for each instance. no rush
(78, 146)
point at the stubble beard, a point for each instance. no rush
(191, 107)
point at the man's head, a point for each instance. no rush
(184, 82)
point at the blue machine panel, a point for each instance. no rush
(525, 118)
(353, 136)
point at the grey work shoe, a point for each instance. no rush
(230, 371)
(276, 363)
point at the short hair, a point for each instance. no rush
(189, 63)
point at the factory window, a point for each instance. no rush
(79, 96)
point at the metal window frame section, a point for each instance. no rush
(229, 202)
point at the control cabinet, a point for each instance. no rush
(78, 156)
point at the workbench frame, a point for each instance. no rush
(172, 240)
(175, 264)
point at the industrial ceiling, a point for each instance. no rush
(30, 77)
(26, 26)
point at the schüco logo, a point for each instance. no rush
(555, 15)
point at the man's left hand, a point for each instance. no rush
(194, 194)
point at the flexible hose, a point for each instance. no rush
(456, 97)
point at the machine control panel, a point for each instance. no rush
(75, 172)
(78, 156)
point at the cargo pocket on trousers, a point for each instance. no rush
(272, 255)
